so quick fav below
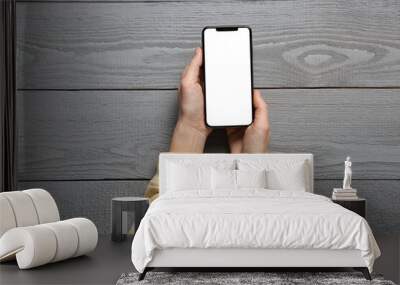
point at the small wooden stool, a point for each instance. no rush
(137, 205)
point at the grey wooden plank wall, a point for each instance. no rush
(97, 92)
(145, 45)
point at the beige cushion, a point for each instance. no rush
(46, 207)
(7, 220)
(27, 208)
(23, 208)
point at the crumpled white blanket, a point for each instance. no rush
(251, 218)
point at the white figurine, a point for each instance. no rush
(347, 174)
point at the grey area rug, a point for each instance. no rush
(273, 278)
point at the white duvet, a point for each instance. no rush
(253, 218)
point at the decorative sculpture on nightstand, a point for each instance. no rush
(347, 192)
(347, 174)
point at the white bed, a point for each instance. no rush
(213, 212)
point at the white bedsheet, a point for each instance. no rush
(251, 218)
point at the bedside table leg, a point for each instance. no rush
(116, 221)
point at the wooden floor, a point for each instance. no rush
(110, 260)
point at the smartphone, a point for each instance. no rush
(228, 76)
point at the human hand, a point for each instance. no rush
(254, 138)
(191, 132)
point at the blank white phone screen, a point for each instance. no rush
(227, 63)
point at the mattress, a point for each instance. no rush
(251, 219)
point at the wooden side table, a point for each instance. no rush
(137, 205)
(358, 206)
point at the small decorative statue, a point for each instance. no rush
(347, 174)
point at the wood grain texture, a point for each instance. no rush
(126, 1)
(93, 199)
(89, 199)
(118, 134)
(333, 124)
(145, 45)
(93, 134)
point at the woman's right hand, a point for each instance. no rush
(191, 132)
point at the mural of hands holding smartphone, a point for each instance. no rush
(230, 103)
(225, 100)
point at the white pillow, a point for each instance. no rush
(251, 178)
(281, 174)
(223, 178)
(205, 162)
(288, 175)
(184, 177)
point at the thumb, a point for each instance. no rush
(192, 71)
(261, 110)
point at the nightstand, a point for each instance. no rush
(119, 217)
(358, 206)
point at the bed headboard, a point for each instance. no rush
(207, 158)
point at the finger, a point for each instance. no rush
(192, 70)
(235, 139)
(258, 100)
(261, 110)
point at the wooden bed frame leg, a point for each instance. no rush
(143, 274)
(364, 271)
